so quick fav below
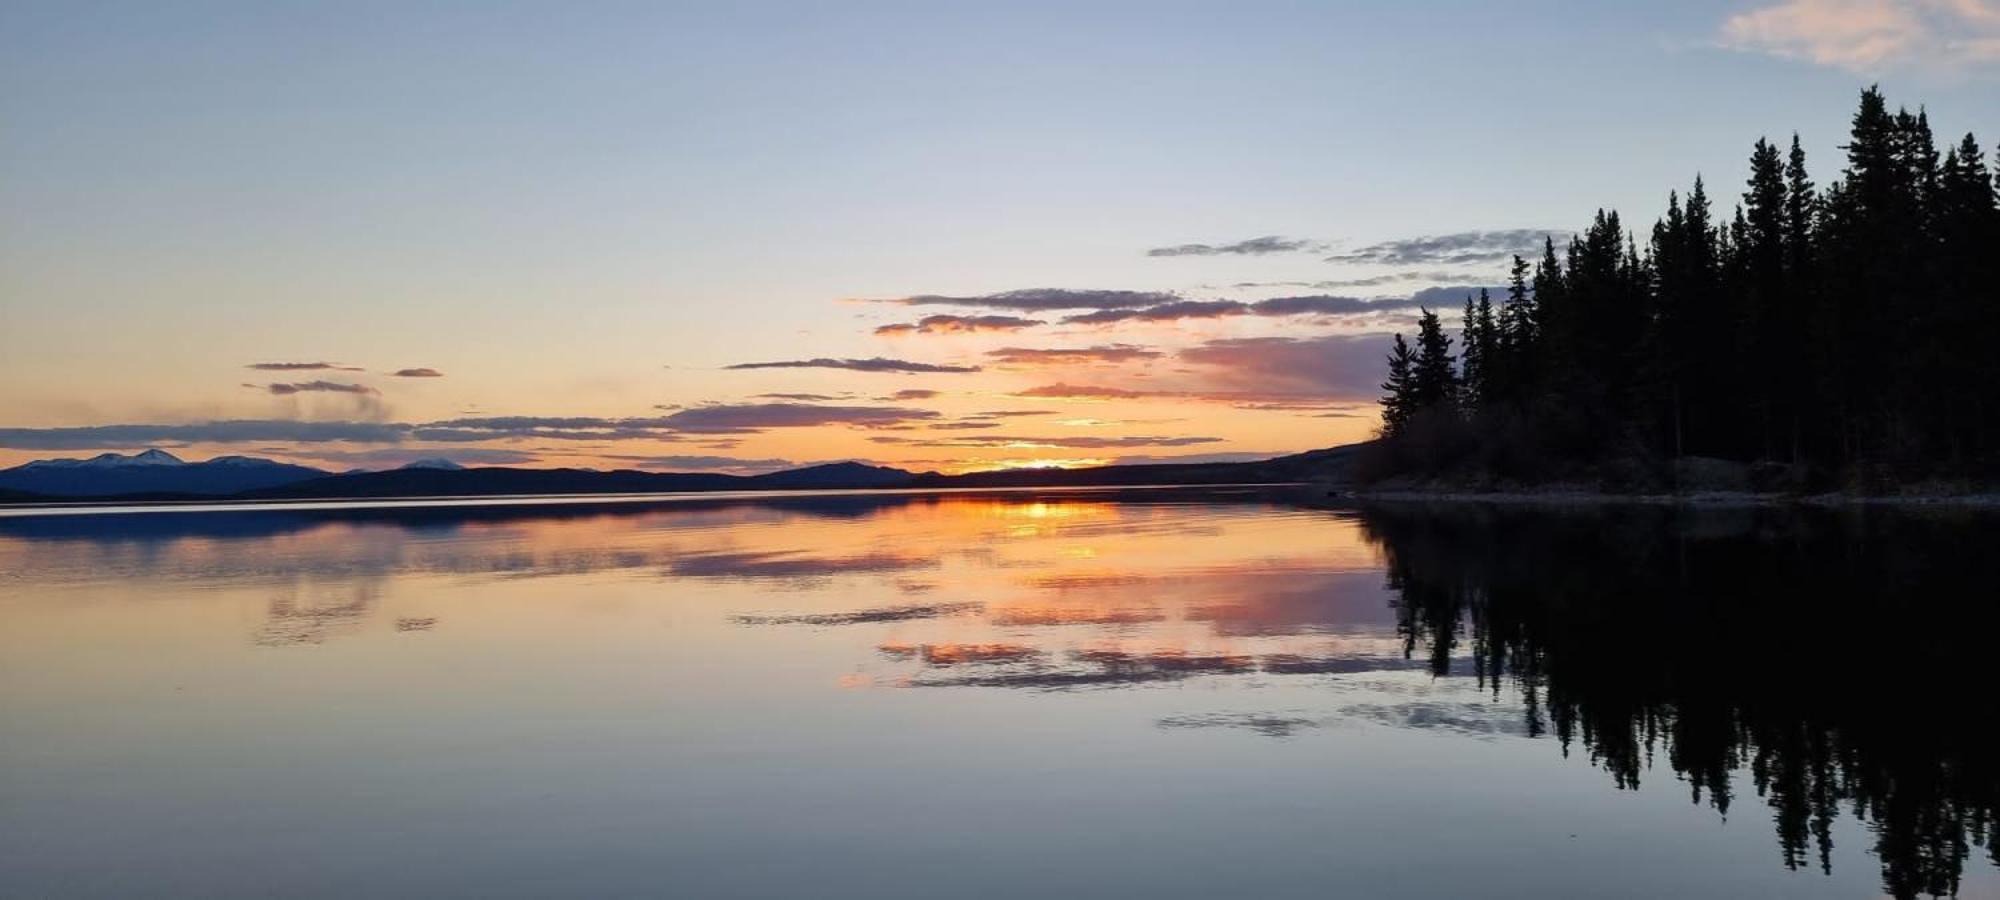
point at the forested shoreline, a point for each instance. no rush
(1835, 338)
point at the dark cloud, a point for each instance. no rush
(1371, 281)
(717, 418)
(704, 421)
(697, 463)
(1164, 312)
(235, 431)
(913, 394)
(476, 435)
(1060, 390)
(398, 456)
(1347, 367)
(731, 418)
(1102, 353)
(950, 324)
(1011, 413)
(285, 389)
(963, 425)
(417, 373)
(1285, 390)
(875, 364)
(863, 616)
(1046, 299)
(1325, 305)
(1071, 442)
(301, 367)
(1451, 297)
(1458, 248)
(1312, 305)
(558, 428)
(526, 423)
(1257, 246)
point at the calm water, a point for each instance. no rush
(1152, 694)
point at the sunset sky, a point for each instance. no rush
(739, 237)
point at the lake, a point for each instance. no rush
(1173, 693)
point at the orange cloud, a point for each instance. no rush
(1871, 36)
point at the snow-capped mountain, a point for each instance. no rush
(150, 471)
(436, 462)
(153, 457)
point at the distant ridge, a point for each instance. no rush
(436, 462)
(287, 482)
(150, 472)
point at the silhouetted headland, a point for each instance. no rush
(1834, 339)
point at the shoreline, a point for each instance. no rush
(1704, 498)
(334, 504)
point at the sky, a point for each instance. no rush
(740, 237)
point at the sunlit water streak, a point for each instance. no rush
(989, 693)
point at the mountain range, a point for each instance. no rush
(151, 472)
(158, 475)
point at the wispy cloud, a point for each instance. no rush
(914, 394)
(234, 431)
(1451, 249)
(874, 364)
(285, 389)
(1291, 393)
(1257, 246)
(417, 373)
(1872, 36)
(949, 324)
(1164, 312)
(1340, 366)
(390, 457)
(698, 422)
(1061, 391)
(1312, 305)
(702, 463)
(1103, 353)
(301, 367)
(1073, 442)
(1046, 299)
(1370, 281)
(730, 418)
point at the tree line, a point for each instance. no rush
(1837, 333)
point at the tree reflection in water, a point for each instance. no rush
(1841, 658)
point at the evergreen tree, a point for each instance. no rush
(1767, 319)
(1399, 401)
(1518, 339)
(1801, 213)
(1473, 361)
(1479, 348)
(1966, 221)
(1435, 381)
(1798, 302)
(1846, 328)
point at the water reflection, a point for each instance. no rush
(1825, 669)
(1840, 659)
